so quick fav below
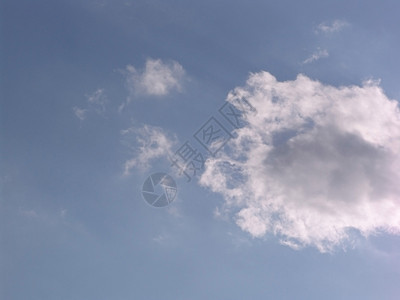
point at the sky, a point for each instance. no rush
(279, 122)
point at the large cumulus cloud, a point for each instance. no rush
(315, 164)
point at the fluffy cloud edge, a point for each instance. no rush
(322, 129)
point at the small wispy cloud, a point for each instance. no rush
(146, 143)
(161, 239)
(80, 113)
(96, 102)
(158, 78)
(330, 27)
(317, 55)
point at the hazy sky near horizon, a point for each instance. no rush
(301, 201)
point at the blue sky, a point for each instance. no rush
(96, 94)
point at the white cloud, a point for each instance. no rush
(147, 143)
(80, 113)
(96, 102)
(330, 27)
(161, 238)
(320, 53)
(157, 79)
(316, 164)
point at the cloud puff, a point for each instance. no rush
(314, 166)
(157, 79)
(80, 113)
(96, 102)
(335, 26)
(320, 53)
(146, 143)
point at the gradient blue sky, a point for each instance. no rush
(73, 226)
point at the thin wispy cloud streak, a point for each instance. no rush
(320, 53)
(331, 27)
(146, 144)
(96, 103)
